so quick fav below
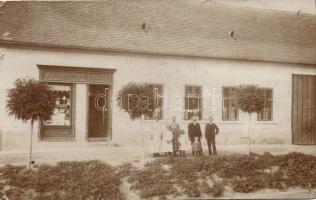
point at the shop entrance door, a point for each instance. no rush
(99, 114)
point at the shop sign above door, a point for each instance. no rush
(50, 73)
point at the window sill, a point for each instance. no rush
(231, 122)
(266, 122)
(149, 121)
(199, 121)
(101, 139)
(47, 139)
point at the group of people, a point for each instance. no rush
(169, 139)
(195, 135)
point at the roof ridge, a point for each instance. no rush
(289, 12)
(174, 27)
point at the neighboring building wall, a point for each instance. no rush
(171, 71)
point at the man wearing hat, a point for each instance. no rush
(211, 130)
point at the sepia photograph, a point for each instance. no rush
(157, 99)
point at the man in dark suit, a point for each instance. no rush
(211, 130)
(194, 130)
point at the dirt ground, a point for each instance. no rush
(116, 155)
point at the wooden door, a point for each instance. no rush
(99, 115)
(304, 110)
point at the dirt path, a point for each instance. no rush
(124, 188)
(296, 193)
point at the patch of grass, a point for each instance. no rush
(66, 180)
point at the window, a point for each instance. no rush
(158, 98)
(192, 102)
(230, 104)
(62, 112)
(60, 126)
(266, 114)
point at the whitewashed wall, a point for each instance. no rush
(174, 72)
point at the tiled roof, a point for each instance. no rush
(175, 27)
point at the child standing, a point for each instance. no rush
(182, 143)
(196, 147)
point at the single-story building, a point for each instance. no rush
(87, 51)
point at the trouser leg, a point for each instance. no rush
(214, 146)
(192, 140)
(201, 150)
(209, 145)
(174, 147)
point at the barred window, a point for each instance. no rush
(266, 114)
(230, 104)
(192, 102)
(158, 100)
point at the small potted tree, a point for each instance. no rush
(250, 100)
(30, 101)
(137, 99)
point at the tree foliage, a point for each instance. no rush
(30, 100)
(250, 98)
(136, 99)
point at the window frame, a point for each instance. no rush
(200, 101)
(271, 100)
(223, 105)
(147, 118)
(70, 128)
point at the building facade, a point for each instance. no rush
(84, 78)
(79, 76)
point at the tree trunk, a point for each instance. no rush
(249, 134)
(31, 146)
(142, 127)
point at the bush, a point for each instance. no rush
(67, 180)
(151, 181)
(163, 177)
(243, 173)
